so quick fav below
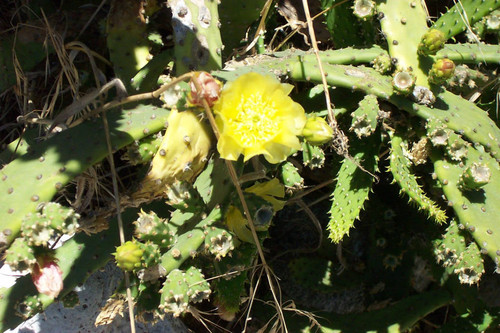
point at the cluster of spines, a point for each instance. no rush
(400, 169)
(463, 257)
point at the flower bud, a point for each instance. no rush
(317, 131)
(47, 276)
(441, 70)
(432, 41)
(128, 256)
(209, 86)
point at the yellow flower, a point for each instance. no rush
(269, 191)
(255, 115)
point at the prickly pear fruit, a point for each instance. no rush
(128, 256)
(432, 41)
(149, 227)
(47, 276)
(20, 256)
(441, 70)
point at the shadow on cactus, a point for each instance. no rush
(237, 179)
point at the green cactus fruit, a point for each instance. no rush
(453, 252)
(20, 256)
(317, 131)
(290, 177)
(150, 254)
(182, 288)
(382, 63)
(36, 230)
(53, 220)
(149, 227)
(475, 176)
(365, 117)
(312, 156)
(62, 219)
(403, 81)
(70, 300)
(432, 41)
(128, 256)
(353, 187)
(363, 9)
(182, 155)
(218, 242)
(142, 151)
(442, 70)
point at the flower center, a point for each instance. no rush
(254, 122)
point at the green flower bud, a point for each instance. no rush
(441, 70)
(317, 131)
(128, 256)
(432, 41)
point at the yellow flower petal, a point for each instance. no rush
(256, 116)
(268, 191)
(237, 224)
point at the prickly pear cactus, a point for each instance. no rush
(418, 108)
